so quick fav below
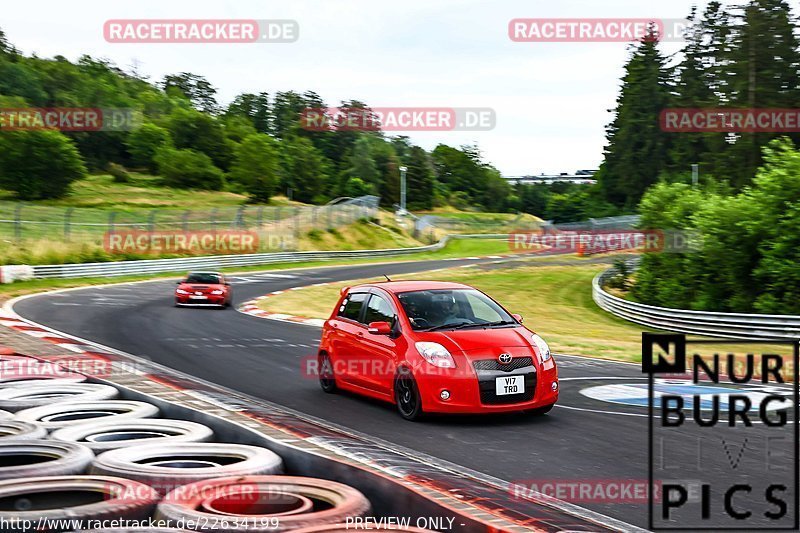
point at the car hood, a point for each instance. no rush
(201, 286)
(468, 340)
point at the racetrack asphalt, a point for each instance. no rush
(584, 438)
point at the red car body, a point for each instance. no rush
(384, 359)
(203, 289)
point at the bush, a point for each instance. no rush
(38, 164)
(188, 169)
(256, 167)
(143, 143)
(118, 172)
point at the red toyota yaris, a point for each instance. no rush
(435, 347)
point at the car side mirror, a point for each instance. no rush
(517, 317)
(380, 328)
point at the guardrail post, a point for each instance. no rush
(67, 225)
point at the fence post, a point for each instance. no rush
(297, 223)
(260, 216)
(18, 221)
(111, 218)
(214, 220)
(67, 225)
(151, 220)
(239, 217)
(185, 219)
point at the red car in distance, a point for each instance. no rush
(203, 289)
(435, 347)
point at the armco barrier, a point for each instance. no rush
(155, 266)
(730, 325)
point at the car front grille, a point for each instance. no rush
(494, 364)
(488, 396)
(489, 370)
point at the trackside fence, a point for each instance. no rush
(729, 325)
(155, 266)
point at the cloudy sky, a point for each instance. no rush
(551, 99)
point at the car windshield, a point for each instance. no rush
(457, 308)
(201, 277)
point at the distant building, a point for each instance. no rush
(580, 177)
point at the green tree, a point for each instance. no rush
(256, 166)
(193, 130)
(255, 107)
(38, 164)
(188, 169)
(636, 152)
(419, 179)
(194, 88)
(144, 142)
(304, 169)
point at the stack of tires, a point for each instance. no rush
(73, 453)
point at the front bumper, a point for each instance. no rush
(210, 300)
(471, 387)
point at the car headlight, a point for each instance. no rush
(544, 349)
(436, 354)
(181, 291)
(216, 292)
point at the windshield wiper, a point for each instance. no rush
(488, 324)
(450, 326)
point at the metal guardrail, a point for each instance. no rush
(155, 266)
(730, 325)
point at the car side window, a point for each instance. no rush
(379, 310)
(351, 306)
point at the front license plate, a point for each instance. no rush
(509, 385)
(193, 297)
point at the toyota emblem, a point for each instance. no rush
(504, 358)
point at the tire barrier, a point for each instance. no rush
(14, 429)
(64, 414)
(104, 436)
(166, 467)
(264, 503)
(5, 415)
(36, 458)
(64, 498)
(17, 398)
(26, 375)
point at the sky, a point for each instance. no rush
(552, 100)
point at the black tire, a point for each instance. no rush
(45, 393)
(327, 379)
(79, 498)
(14, 429)
(331, 503)
(166, 467)
(541, 410)
(65, 414)
(35, 458)
(104, 436)
(406, 396)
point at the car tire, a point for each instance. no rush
(5, 415)
(79, 498)
(24, 458)
(339, 502)
(168, 466)
(327, 379)
(541, 410)
(406, 396)
(32, 377)
(17, 398)
(104, 436)
(14, 429)
(65, 414)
